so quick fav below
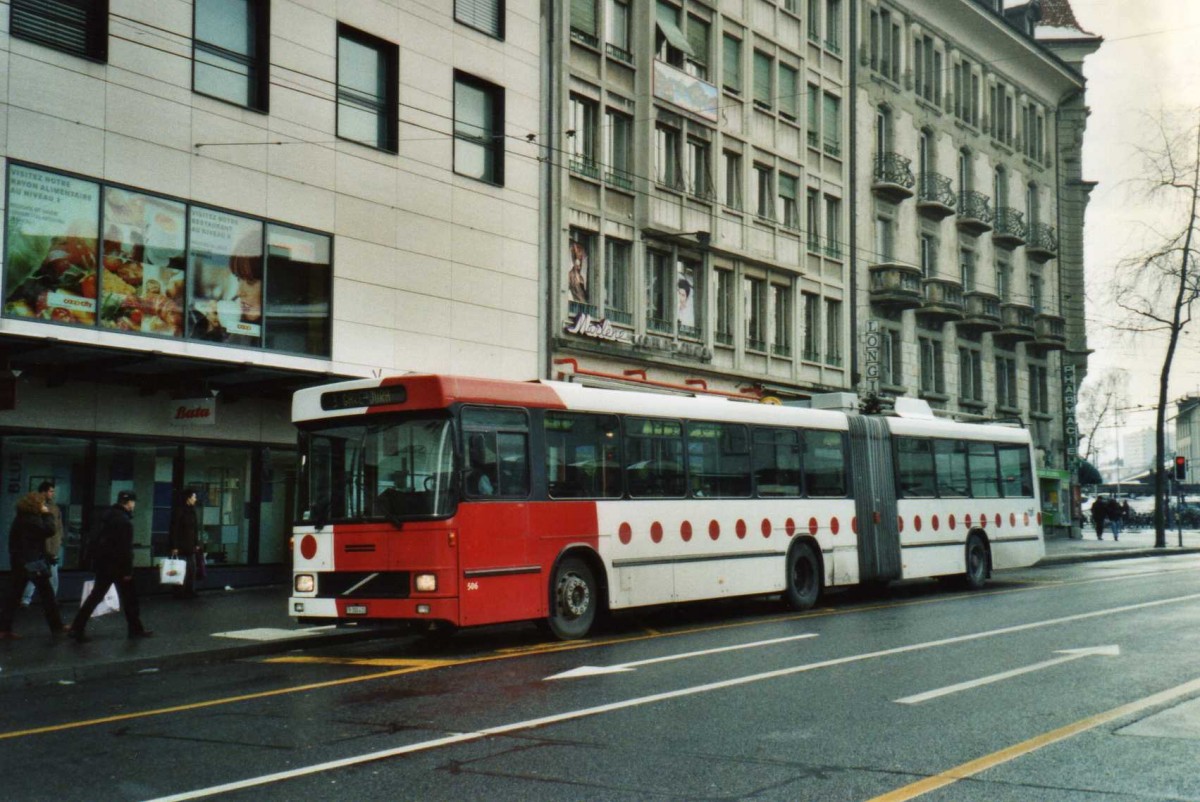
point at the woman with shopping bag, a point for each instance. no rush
(185, 542)
(112, 553)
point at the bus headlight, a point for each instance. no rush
(305, 583)
(425, 583)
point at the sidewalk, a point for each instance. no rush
(249, 622)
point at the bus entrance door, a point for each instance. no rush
(874, 499)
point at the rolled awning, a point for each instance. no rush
(674, 36)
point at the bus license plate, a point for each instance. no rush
(356, 609)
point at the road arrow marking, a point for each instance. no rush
(1068, 656)
(591, 671)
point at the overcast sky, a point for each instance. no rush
(1150, 61)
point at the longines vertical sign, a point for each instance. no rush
(1070, 427)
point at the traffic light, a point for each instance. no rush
(1180, 468)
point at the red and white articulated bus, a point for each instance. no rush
(459, 501)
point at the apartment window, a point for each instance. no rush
(789, 207)
(617, 306)
(966, 269)
(229, 51)
(885, 235)
(789, 88)
(883, 135)
(814, 20)
(1039, 390)
(667, 166)
(781, 305)
(966, 175)
(1039, 138)
(1003, 279)
(763, 90)
(833, 226)
(723, 288)
(659, 292)
(764, 192)
(1006, 382)
(927, 75)
(618, 149)
(925, 155)
(928, 245)
(732, 76)
(812, 327)
(367, 109)
(1035, 292)
(833, 332)
(970, 374)
(582, 248)
(78, 27)
(831, 113)
(833, 26)
(733, 180)
(670, 41)
(584, 25)
(885, 44)
(478, 129)
(618, 30)
(1000, 187)
(755, 298)
(966, 93)
(581, 139)
(933, 377)
(814, 116)
(1032, 207)
(699, 171)
(688, 306)
(482, 15)
(696, 62)
(889, 358)
(812, 200)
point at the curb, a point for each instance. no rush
(1099, 556)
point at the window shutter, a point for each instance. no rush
(486, 15)
(762, 77)
(697, 35)
(733, 63)
(583, 16)
(79, 27)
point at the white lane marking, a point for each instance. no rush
(1068, 656)
(557, 718)
(271, 633)
(591, 671)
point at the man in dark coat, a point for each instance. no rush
(185, 540)
(112, 552)
(1099, 513)
(31, 528)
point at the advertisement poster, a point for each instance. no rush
(142, 283)
(50, 261)
(686, 292)
(577, 276)
(227, 278)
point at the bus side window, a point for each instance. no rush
(985, 478)
(824, 464)
(950, 457)
(583, 455)
(654, 451)
(914, 467)
(1015, 472)
(512, 450)
(776, 463)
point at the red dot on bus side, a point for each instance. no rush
(766, 527)
(714, 530)
(1039, 519)
(656, 532)
(935, 523)
(813, 526)
(1012, 519)
(967, 522)
(854, 524)
(790, 527)
(899, 524)
(685, 531)
(917, 522)
(625, 533)
(308, 547)
(952, 521)
(741, 529)
(1026, 519)
(997, 520)
(834, 526)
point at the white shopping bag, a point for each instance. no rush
(109, 604)
(172, 571)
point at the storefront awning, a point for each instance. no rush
(1088, 474)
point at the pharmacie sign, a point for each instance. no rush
(194, 411)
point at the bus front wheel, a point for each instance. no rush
(573, 599)
(803, 577)
(977, 562)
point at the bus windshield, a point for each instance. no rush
(392, 469)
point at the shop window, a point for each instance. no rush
(147, 470)
(221, 477)
(142, 280)
(227, 278)
(276, 505)
(78, 27)
(230, 53)
(31, 460)
(296, 307)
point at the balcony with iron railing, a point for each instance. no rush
(1016, 324)
(582, 165)
(935, 196)
(981, 312)
(619, 53)
(660, 326)
(1009, 228)
(1050, 332)
(583, 37)
(943, 300)
(974, 212)
(781, 350)
(893, 177)
(895, 286)
(1042, 243)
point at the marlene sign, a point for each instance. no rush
(194, 411)
(583, 324)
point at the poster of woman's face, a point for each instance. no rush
(577, 277)
(227, 278)
(685, 289)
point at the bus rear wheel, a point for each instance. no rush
(573, 599)
(804, 578)
(976, 563)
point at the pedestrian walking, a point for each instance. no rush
(112, 553)
(185, 540)
(53, 544)
(1126, 514)
(32, 527)
(1115, 514)
(1099, 514)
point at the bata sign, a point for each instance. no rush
(194, 411)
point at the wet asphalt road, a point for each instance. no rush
(860, 699)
